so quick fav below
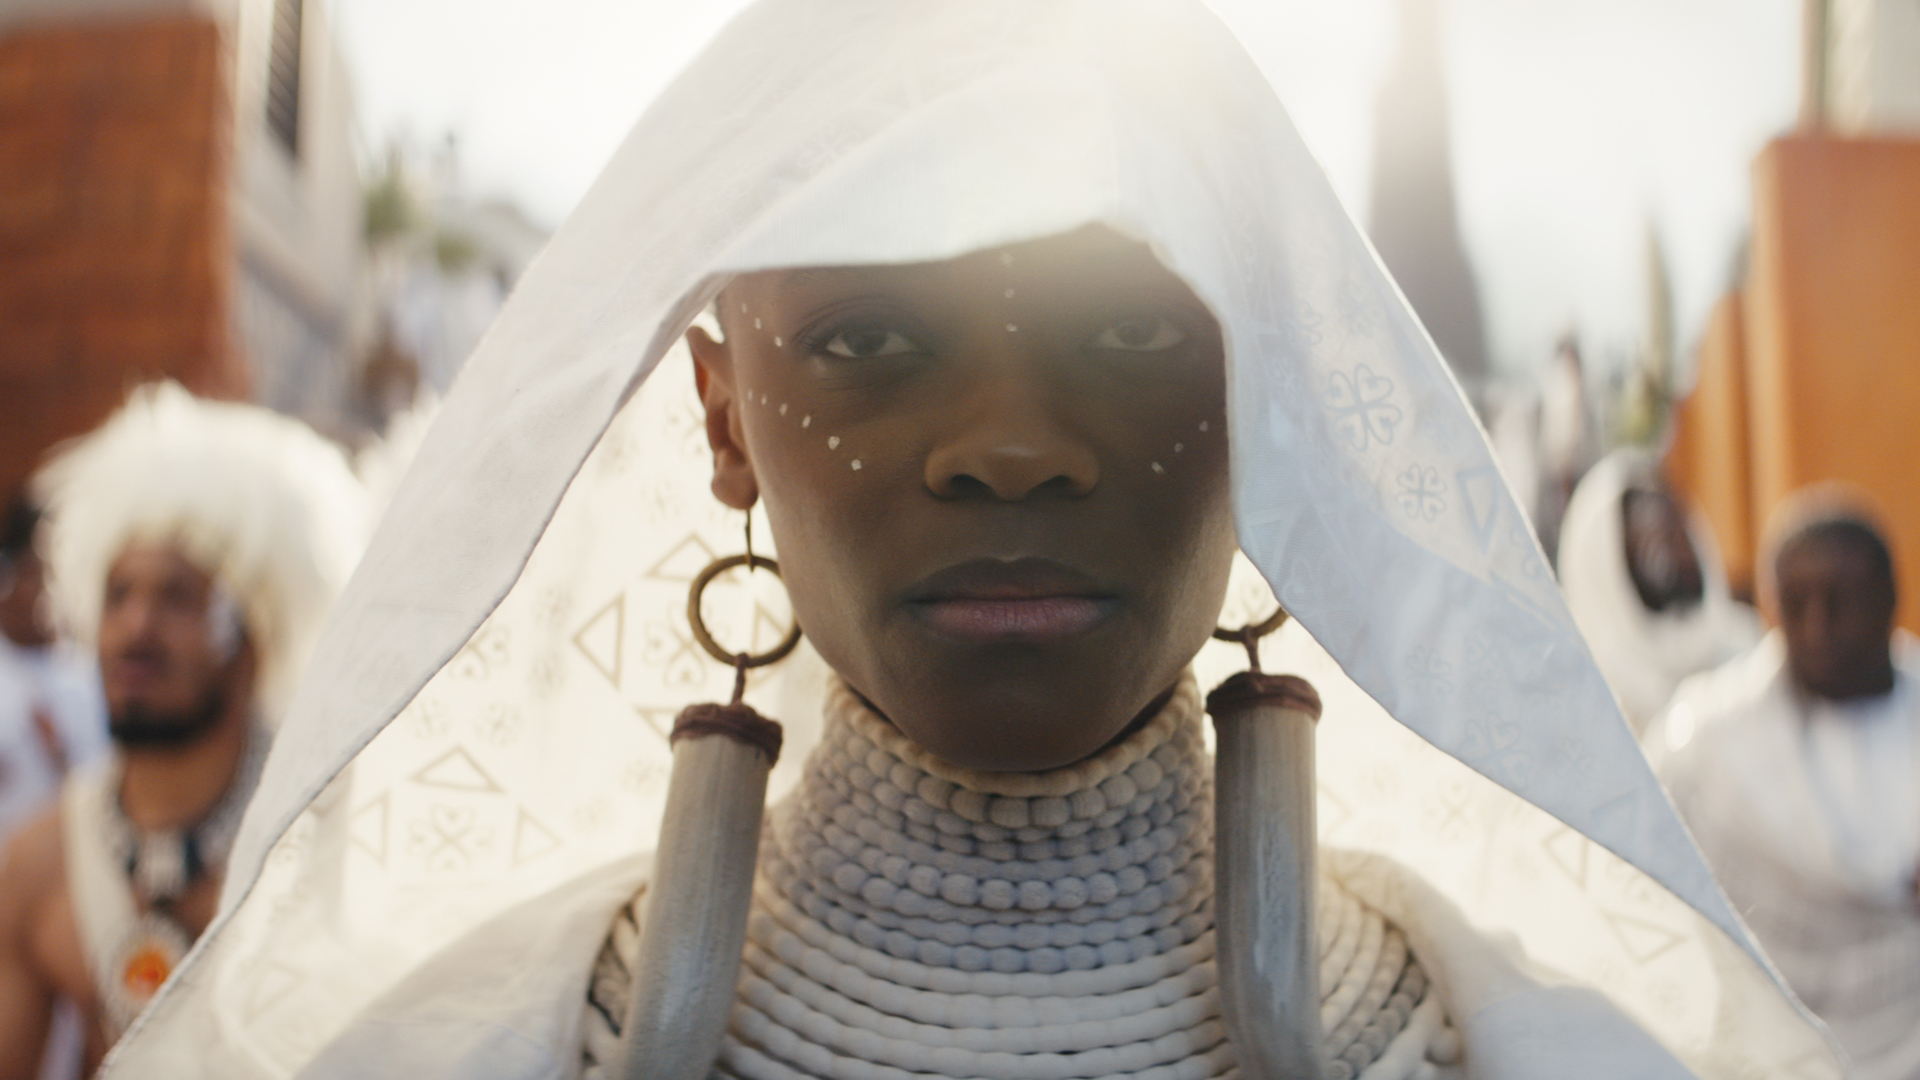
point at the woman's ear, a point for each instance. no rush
(734, 482)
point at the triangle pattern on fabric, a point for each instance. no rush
(1620, 815)
(1643, 940)
(1480, 489)
(368, 828)
(602, 640)
(456, 770)
(659, 721)
(1569, 851)
(531, 839)
(767, 629)
(275, 982)
(683, 561)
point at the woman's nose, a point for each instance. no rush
(1008, 439)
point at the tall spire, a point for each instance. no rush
(1414, 222)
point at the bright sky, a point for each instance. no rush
(1578, 124)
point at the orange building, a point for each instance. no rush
(178, 198)
(1812, 371)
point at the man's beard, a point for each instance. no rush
(138, 727)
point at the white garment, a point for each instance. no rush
(1644, 654)
(62, 683)
(483, 719)
(1810, 814)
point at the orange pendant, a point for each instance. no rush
(146, 968)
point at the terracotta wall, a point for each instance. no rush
(114, 238)
(1828, 346)
(1709, 455)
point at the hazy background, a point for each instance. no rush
(1577, 125)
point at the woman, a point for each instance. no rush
(991, 278)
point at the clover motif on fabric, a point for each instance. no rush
(1422, 492)
(1361, 407)
(499, 725)
(1430, 674)
(1360, 306)
(487, 651)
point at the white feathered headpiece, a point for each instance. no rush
(259, 501)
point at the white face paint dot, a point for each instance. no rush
(743, 307)
(856, 464)
(1158, 468)
(833, 442)
(783, 408)
(806, 421)
(756, 323)
(1203, 425)
(1177, 447)
(763, 399)
(777, 342)
(1009, 294)
(1012, 328)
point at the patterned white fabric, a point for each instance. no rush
(483, 719)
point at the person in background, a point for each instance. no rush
(52, 717)
(1645, 585)
(197, 546)
(1798, 768)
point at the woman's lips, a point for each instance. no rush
(1039, 618)
(1012, 600)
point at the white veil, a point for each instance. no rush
(483, 719)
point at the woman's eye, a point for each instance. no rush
(868, 342)
(1141, 335)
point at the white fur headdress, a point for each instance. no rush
(259, 501)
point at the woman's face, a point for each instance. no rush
(998, 484)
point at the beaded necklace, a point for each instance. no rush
(914, 919)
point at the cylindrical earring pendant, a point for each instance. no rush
(1265, 850)
(693, 930)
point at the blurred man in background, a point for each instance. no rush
(1645, 585)
(51, 714)
(197, 545)
(1798, 768)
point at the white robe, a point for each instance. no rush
(1809, 813)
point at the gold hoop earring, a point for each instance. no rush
(695, 926)
(741, 662)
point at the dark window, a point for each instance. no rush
(283, 75)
